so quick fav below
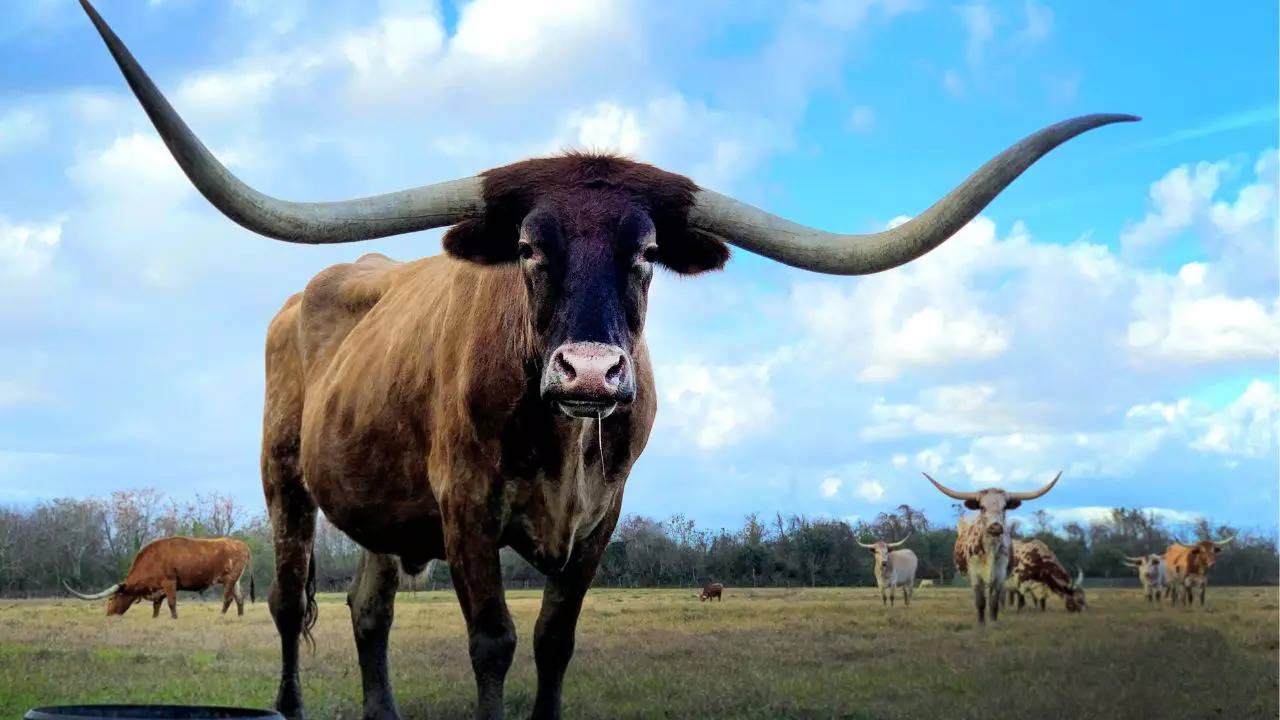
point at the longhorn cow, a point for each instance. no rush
(893, 568)
(497, 395)
(712, 591)
(1037, 574)
(983, 549)
(1151, 573)
(1187, 567)
(165, 566)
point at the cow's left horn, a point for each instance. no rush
(405, 211)
(1036, 493)
(900, 541)
(1079, 576)
(100, 595)
(1224, 542)
(758, 231)
(865, 545)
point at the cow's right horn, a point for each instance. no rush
(1133, 559)
(419, 208)
(865, 545)
(949, 492)
(1036, 493)
(1224, 542)
(896, 544)
(82, 596)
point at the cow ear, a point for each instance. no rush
(481, 242)
(692, 251)
(1012, 504)
(972, 504)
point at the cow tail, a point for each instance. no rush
(252, 597)
(312, 611)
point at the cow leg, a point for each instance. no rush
(906, 595)
(292, 597)
(228, 595)
(890, 596)
(477, 579)
(155, 606)
(372, 599)
(171, 594)
(883, 599)
(239, 596)
(553, 639)
(1202, 589)
(994, 592)
(980, 601)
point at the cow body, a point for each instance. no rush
(165, 566)
(1151, 573)
(712, 591)
(925, 584)
(1037, 574)
(984, 547)
(893, 569)
(1187, 568)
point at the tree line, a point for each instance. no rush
(91, 542)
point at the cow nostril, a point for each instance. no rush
(614, 373)
(564, 366)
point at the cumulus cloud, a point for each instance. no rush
(716, 405)
(871, 491)
(27, 250)
(20, 127)
(861, 119)
(830, 486)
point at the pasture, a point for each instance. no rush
(769, 653)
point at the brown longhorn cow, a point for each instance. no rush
(1187, 566)
(499, 394)
(712, 591)
(165, 566)
(1037, 574)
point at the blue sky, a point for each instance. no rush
(1113, 314)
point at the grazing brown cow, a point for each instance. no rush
(983, 549)
(497, 395)
(1187, 567)
(712, 590)
(165, 566)
(1037, 573)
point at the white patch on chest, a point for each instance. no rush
(575, 501)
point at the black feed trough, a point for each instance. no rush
(149, 712)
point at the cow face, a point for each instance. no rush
(1203, 554)
(881, 551)
(120, 601)
(1075, 599)
(991, 505)
(586, 232)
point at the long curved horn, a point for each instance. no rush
(872, 546)
(1224, 542)
(1133, 559)
(774, 237)
(98, 596)
(896, 544)
(949, 492)
(1079, 576)
(410, 210)
(1035, 493)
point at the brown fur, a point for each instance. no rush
(1037, 572)
(1187, 567)
(402, 400)
(165, 566)
(712, 591)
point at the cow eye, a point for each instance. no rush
(525, 250)
(651, 254)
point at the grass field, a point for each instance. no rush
(826, 653)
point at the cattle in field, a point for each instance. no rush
(893, 568)
(1187, 567)
(925, 584)
(497, 395)
(1151, 573)
(712, 591)
(983, 549)
(1037, 574)
(165, 566)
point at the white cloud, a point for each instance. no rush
(1039, 23)
(949, 410)
(20, 127)
(871, 491)
(716, 405)
(1248, 427)
(830, 486)
(27, 250)
(979, 24)
(1177, 199)
(1086, 514)
(953, 82)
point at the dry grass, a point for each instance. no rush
(660, 653)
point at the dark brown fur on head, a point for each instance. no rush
(594, 186)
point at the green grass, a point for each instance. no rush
(827, 653)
